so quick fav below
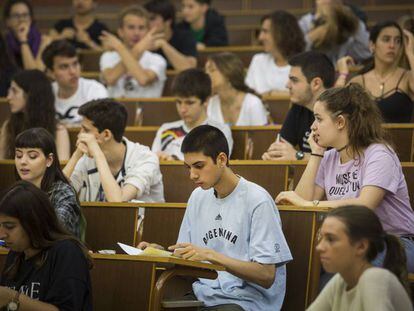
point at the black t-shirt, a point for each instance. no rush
(183, 41)
(63, 280)
(94, 31)
(296, 128)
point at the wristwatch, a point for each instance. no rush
(14, 304)
(300, 155)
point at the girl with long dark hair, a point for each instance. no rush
(46, 268)
(37, 162)
(32, 104)
(360, 169)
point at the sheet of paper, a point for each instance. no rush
(129, 249)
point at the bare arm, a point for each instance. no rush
(113, 192)
(370, 196)
(70, 166)
(62, 142)
(178, 60)
(306, 187)
(261, 274)
(143, 76)
(3, 140)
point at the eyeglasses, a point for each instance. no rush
(18, 16)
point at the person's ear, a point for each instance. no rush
(222, 160)
(49, 160)
(341, 122)
(361, 247)
(106, 135)
(316, 84)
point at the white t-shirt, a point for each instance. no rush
(244, 225)
(67, 109)
(377, 289)
(140, 169)
(170, 136)
(264, 75)
(252, 111)
(126, 86)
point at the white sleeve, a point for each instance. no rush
(257, 112)
(227, 132)
(79, 174)
(97, 91)
(158, 65)
(143, 172)
(108, 60)
(267, 242)
(251, 74)
(156, 144)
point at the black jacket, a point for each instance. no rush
(215, 32)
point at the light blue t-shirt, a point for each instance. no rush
(245, 225)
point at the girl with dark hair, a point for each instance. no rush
(360, 169)
(23, 37)
(350, 238)
(37, 162)
(7, 67)
(234, 103)
(268, 72)
(32, 104)
(46, 268)
(391, 85)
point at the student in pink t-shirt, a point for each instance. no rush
(360, 169)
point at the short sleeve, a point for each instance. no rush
(381, 170)
(108, 60)
(250, 76)
(289, 128)
(70, 285)
(227, 132)
(97, 90)
(257, 112)
(143, 173)
(157, 64)
(156, 144)
(267, 242)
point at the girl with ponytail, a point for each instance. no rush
(233, 103)
(361, 168)
(350, 238)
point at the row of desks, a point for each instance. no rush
(271, 175)
(129, 282)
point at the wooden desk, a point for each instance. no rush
(123, 282)
(162, 222)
